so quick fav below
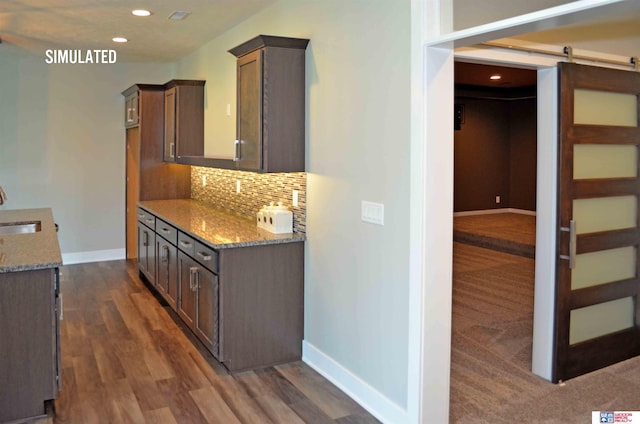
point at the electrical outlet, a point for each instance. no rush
(237, 186)
(497, 199)
(204, 181)
(294, 198)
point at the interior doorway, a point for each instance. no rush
(494, 234)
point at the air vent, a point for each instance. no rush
(179, 15)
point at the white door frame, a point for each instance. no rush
(431, 207)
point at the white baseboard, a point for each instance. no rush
(93, 256)
(492, 211)
(368, 397)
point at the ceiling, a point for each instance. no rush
(615, 35)
(37, 25)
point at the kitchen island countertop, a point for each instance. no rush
(24, 252)
(217, 227)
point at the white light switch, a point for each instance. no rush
(237, 186)
(228, 109)
(294, 198)
(373, 212)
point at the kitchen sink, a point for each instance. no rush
(20, 227)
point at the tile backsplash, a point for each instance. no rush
(256, 190)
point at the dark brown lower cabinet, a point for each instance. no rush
(245, 304)
(29, 330)
(198, 300)
(167, 271)
(147, 252)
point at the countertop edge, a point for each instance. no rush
(20, 268)
(293, 237)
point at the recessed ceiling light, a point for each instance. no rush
(140, 12)
(119, 39)
(179, 15)
(495, 77)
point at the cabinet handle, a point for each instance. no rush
(172, 150)
(165, 254)
(185, 243)
(193, 272)
(204, 256)
(191, 278)
(141, 215)
(165, 230)
(146, 238)
(236, 153)
(150, 220)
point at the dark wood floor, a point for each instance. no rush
(125, 360)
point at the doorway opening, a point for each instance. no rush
(494, 235)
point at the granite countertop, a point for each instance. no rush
(217, 227)
(24, 252)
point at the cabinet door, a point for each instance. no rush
(207, 309)
(166, 271)
(248, 153)
(187, 268)
(170, 101)
(146, 252)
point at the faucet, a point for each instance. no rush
(3, 196)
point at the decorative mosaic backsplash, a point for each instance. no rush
(256, 190)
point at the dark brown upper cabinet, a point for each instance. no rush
(270, 104)
(148, 177)
(183, 119)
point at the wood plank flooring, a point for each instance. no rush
(126, 360)
(506, 232)
(491, 381)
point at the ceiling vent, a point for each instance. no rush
(179, 15)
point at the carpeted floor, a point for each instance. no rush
(491, 381)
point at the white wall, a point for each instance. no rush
(358, 104)
(62, 144)
(470, 13)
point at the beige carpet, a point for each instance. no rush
(491, 352)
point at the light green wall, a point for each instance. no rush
(62, 144)
(358, 98)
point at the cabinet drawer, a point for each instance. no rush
(206, 256)
(186, 244)
(146, 218)
(167, 231)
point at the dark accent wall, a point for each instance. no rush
(522, 155)
(495, 154)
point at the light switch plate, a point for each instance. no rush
(373, 212)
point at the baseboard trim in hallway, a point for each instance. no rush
(357, 389)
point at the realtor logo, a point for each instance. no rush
(615, 417)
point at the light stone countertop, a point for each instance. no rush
(214, 226)
(25, 252)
